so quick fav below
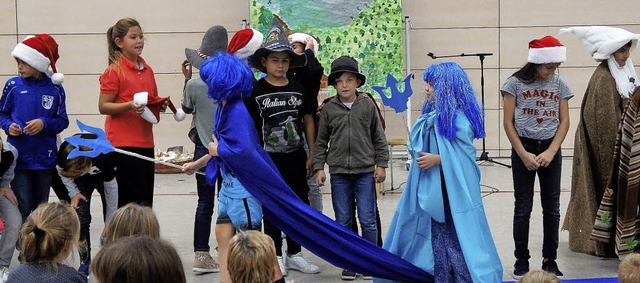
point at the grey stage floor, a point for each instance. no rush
(175, 203)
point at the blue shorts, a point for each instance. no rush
(243, 213)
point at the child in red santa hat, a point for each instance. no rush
(33, 112)
(536, 120)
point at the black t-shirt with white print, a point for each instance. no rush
(278, 112)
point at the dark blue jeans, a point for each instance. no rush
(204, 210)
(346, 187)
(523, 182)
(31, 188)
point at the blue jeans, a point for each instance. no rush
(204, 210)
(31, 188)
(523, 182)
(344, 187)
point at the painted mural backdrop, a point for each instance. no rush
(368, 30)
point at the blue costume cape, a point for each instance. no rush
(240, 152)
(422, 200)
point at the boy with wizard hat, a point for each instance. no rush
(281, 110)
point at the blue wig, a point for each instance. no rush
(452, 91)
(227, 77)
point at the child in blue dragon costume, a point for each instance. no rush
(440, 223)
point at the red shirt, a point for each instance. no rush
(123, 79)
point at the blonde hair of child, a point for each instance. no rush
(629, 269)
(539, 276)
(138, 260)
(252, 257)
(119, 30)
(132, 220)
(49, 230)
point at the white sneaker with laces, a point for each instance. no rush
(204, 263)
(283, 269)
(297, 262)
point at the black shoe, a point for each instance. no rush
(520, 268)
(552, 266)
(348, 275)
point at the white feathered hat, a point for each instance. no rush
(302, 38)
(602, 41)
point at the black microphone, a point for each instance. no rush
(430, 54)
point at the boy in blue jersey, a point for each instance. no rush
(32, 113)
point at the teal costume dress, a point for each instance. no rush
(410, 232)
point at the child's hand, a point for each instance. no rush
(529, 160)
(320, 178)
(138, 108)
(189, 168)
(33, 127)
(309, 167)
(380, 174)
(8, 193)
(76, 199)
(15, 129)
(309, 44)
(213, 146)
(164, 105)
(427, 160)
(186, 70)
(545, 158)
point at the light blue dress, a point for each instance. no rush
(409, 234)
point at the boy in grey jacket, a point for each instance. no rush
(358, 154)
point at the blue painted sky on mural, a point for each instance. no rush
(327, 13)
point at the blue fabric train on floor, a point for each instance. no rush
(312, 229)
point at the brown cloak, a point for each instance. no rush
(594, 143)
(620, 201)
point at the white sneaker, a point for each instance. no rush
(4, 274)
(283, 269)
(297, 262)
(204, 263)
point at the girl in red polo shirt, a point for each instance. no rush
(127, 75)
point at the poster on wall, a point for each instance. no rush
(368, 30)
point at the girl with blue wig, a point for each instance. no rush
(442, 201)
(229, 80)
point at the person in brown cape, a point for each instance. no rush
(608, 91)
(619, 203)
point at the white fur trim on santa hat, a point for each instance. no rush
(302, 38)
(36, 60)
(546, 55)
(251, 47)
(602, 41)
(180, 115)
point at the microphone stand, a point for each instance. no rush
(484, 156)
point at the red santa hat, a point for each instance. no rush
(40, 51)
(245, 42)
(302, 38)
(144, 99)
(546, 50)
